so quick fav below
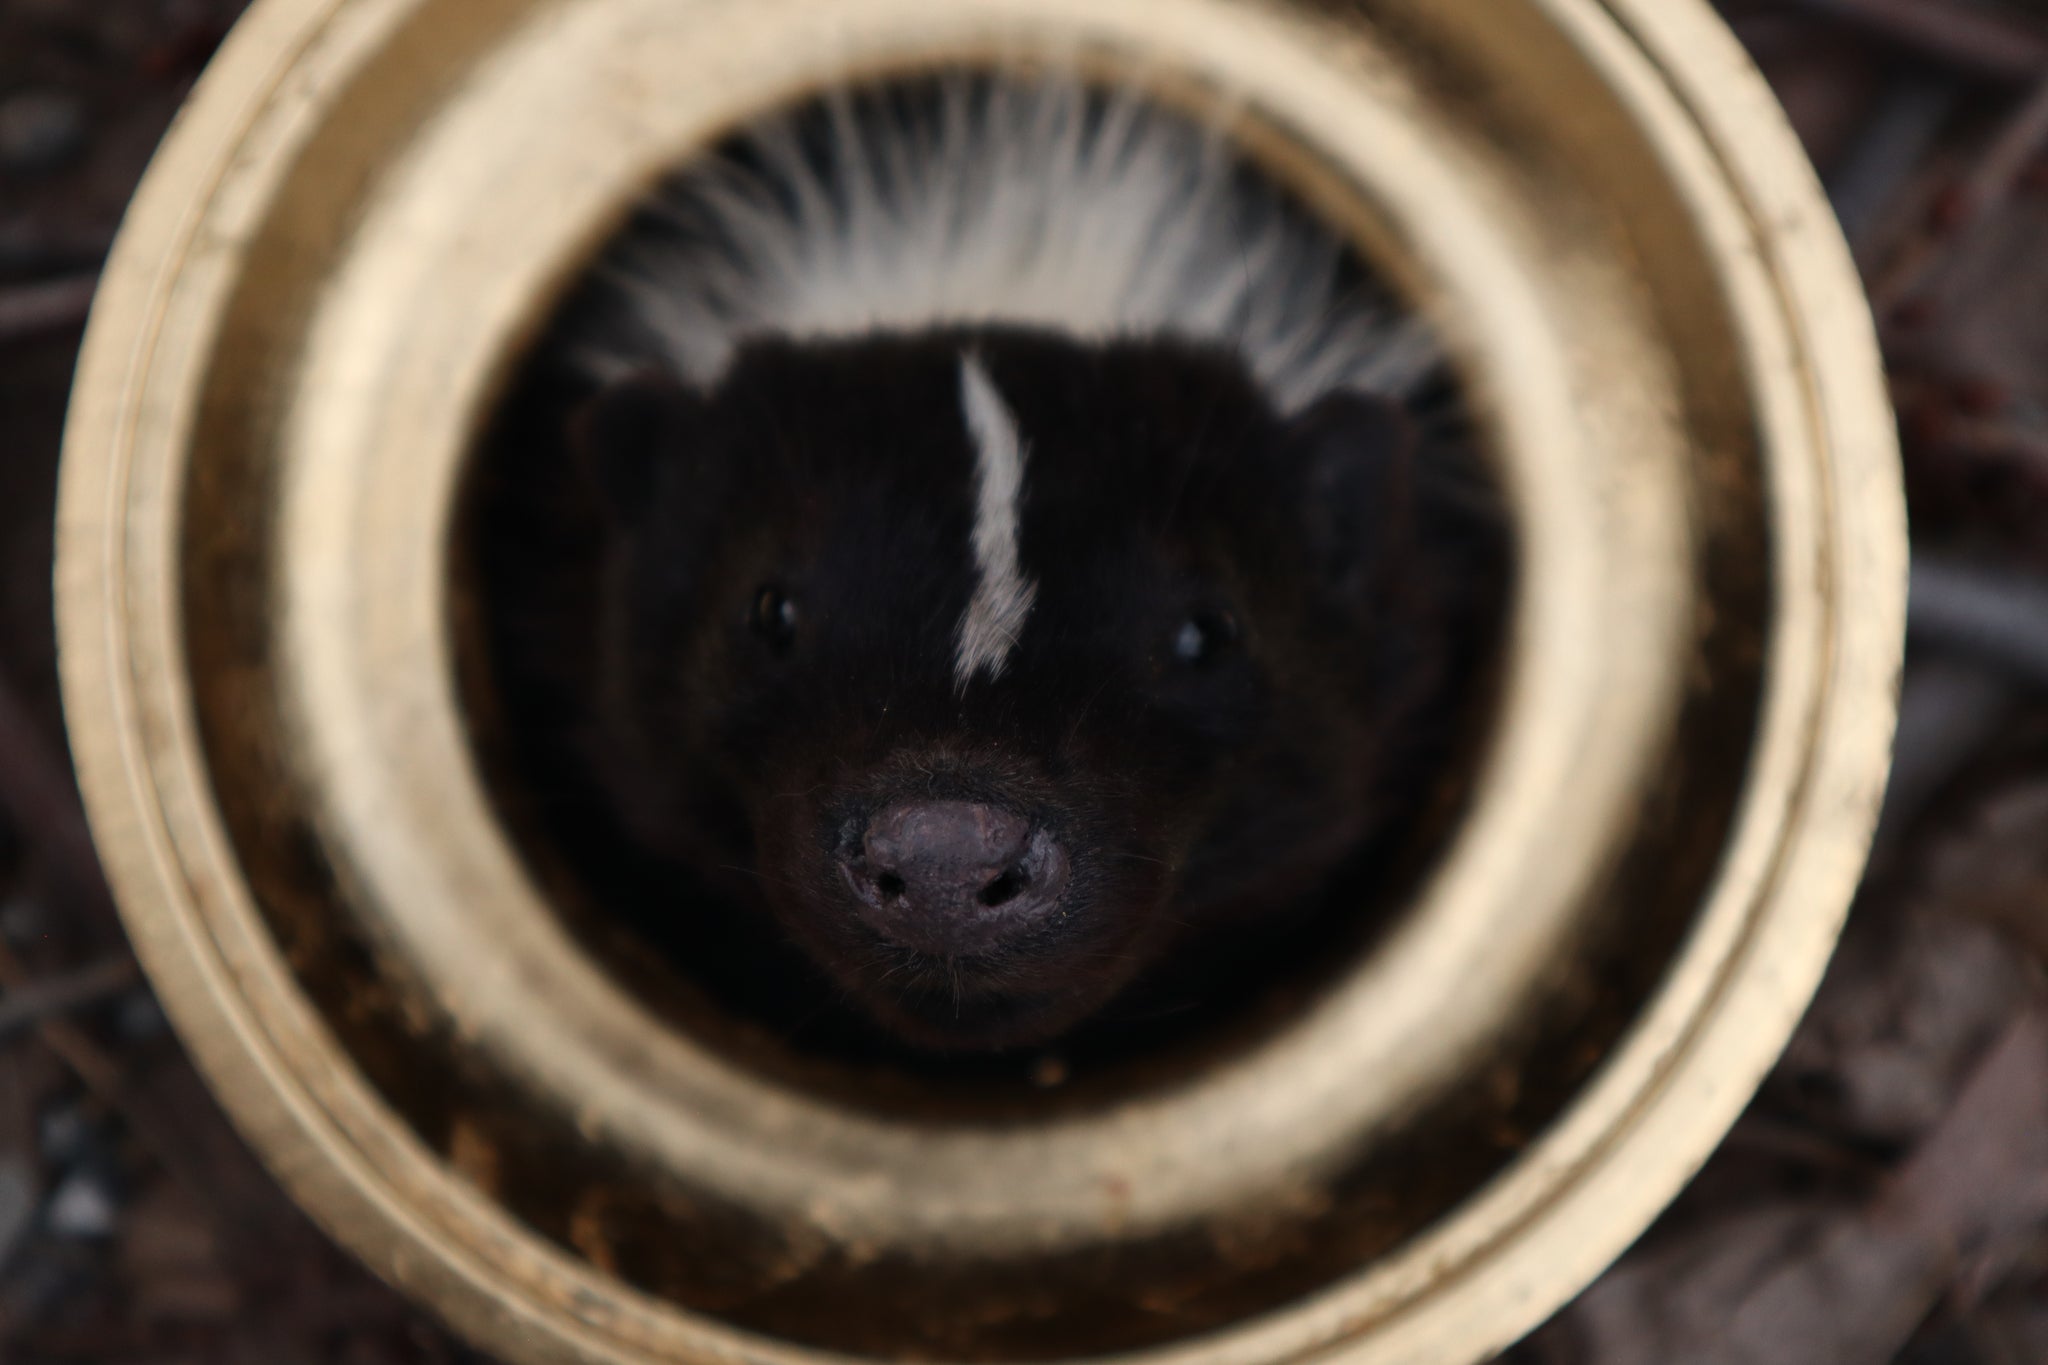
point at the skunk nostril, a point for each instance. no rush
(889, 884)
(1006, 887)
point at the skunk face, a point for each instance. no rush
(983, 565)
(994, 665)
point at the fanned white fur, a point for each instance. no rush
(1002, 594)
(1015, 203)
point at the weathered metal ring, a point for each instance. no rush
(365, 212)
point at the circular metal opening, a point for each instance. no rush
(524, 547)
(325, 289)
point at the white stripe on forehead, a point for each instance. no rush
(1002, 598)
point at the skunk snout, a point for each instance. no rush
(953, 878)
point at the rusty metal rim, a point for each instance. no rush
(1692, 1076)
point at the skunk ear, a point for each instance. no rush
(625, 435)
(1354, 454)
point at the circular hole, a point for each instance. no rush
(542, 546)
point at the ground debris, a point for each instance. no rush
(1796, 1280)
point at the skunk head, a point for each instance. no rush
(991, 664)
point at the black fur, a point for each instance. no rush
(749, 644)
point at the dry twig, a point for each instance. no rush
(2019, 142)
(30, 310)
(29, 1004)
(1997, 617)
(1974, 38)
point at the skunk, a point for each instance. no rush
(974, 548)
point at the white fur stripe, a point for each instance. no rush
(1002, 598)
(1031, 203)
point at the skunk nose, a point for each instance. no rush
(954, 878)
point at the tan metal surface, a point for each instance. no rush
(365, 212)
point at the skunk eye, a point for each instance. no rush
(774, 618)
(1202, 637)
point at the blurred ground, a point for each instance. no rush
(1886, 1198)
